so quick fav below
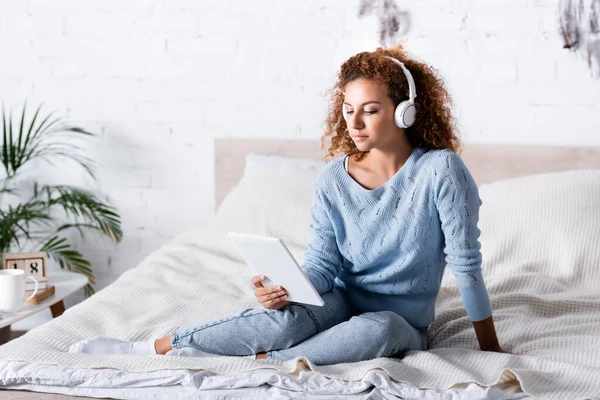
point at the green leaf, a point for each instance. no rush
(7, 190)
(79, 227)
(84, 162)
(5, 145)
(89, 290)
(45, 125)
(31, 126)
(56, 243)
(70, 253)
(79, 203)
(69, 259)
(11, 153)
(20, 139)
(42, 141)
(16, 220)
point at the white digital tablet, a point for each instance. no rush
(270, 257)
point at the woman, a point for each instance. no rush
(386, 220)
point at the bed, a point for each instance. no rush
(540, 223)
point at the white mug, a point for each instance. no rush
(12, 289)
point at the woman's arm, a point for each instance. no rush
(457, 199)
(486, 335)
(322, 261)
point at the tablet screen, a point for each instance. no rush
(269, 256)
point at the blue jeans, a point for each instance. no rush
(331, 334)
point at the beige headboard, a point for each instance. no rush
(486, 162)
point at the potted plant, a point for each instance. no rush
(35, 216)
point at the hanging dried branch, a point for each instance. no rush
(391, 20)
(580, 29)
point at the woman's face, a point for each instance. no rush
(369, 115)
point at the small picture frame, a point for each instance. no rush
(31, 263)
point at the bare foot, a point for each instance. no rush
(163, 345)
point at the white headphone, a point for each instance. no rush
(406, 112)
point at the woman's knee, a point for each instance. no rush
(385, 321)
(335, 310)
(395, 332)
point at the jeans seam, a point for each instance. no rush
(394, 351)
(312, 316)
(221, 321)
(175, 340)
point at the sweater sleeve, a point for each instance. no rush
(323, 260)
(458, 202)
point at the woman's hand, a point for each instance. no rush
(499, 350)
(271, 297)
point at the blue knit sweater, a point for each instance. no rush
(388, 247)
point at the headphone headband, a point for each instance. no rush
(411, 83)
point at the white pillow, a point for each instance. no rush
(547, 221)
(255, 161)
(273, 198)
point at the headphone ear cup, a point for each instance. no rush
(405, 114)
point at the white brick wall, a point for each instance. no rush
(159, 80)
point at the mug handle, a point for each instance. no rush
(36, 287)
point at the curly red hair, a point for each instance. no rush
(435, 126)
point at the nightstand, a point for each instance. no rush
(66, 283)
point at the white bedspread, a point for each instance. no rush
(543, 283)
(262, 384)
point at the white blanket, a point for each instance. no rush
(541, 259)
(260, 384)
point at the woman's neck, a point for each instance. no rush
(387, 162)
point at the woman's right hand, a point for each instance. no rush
(271, 297)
